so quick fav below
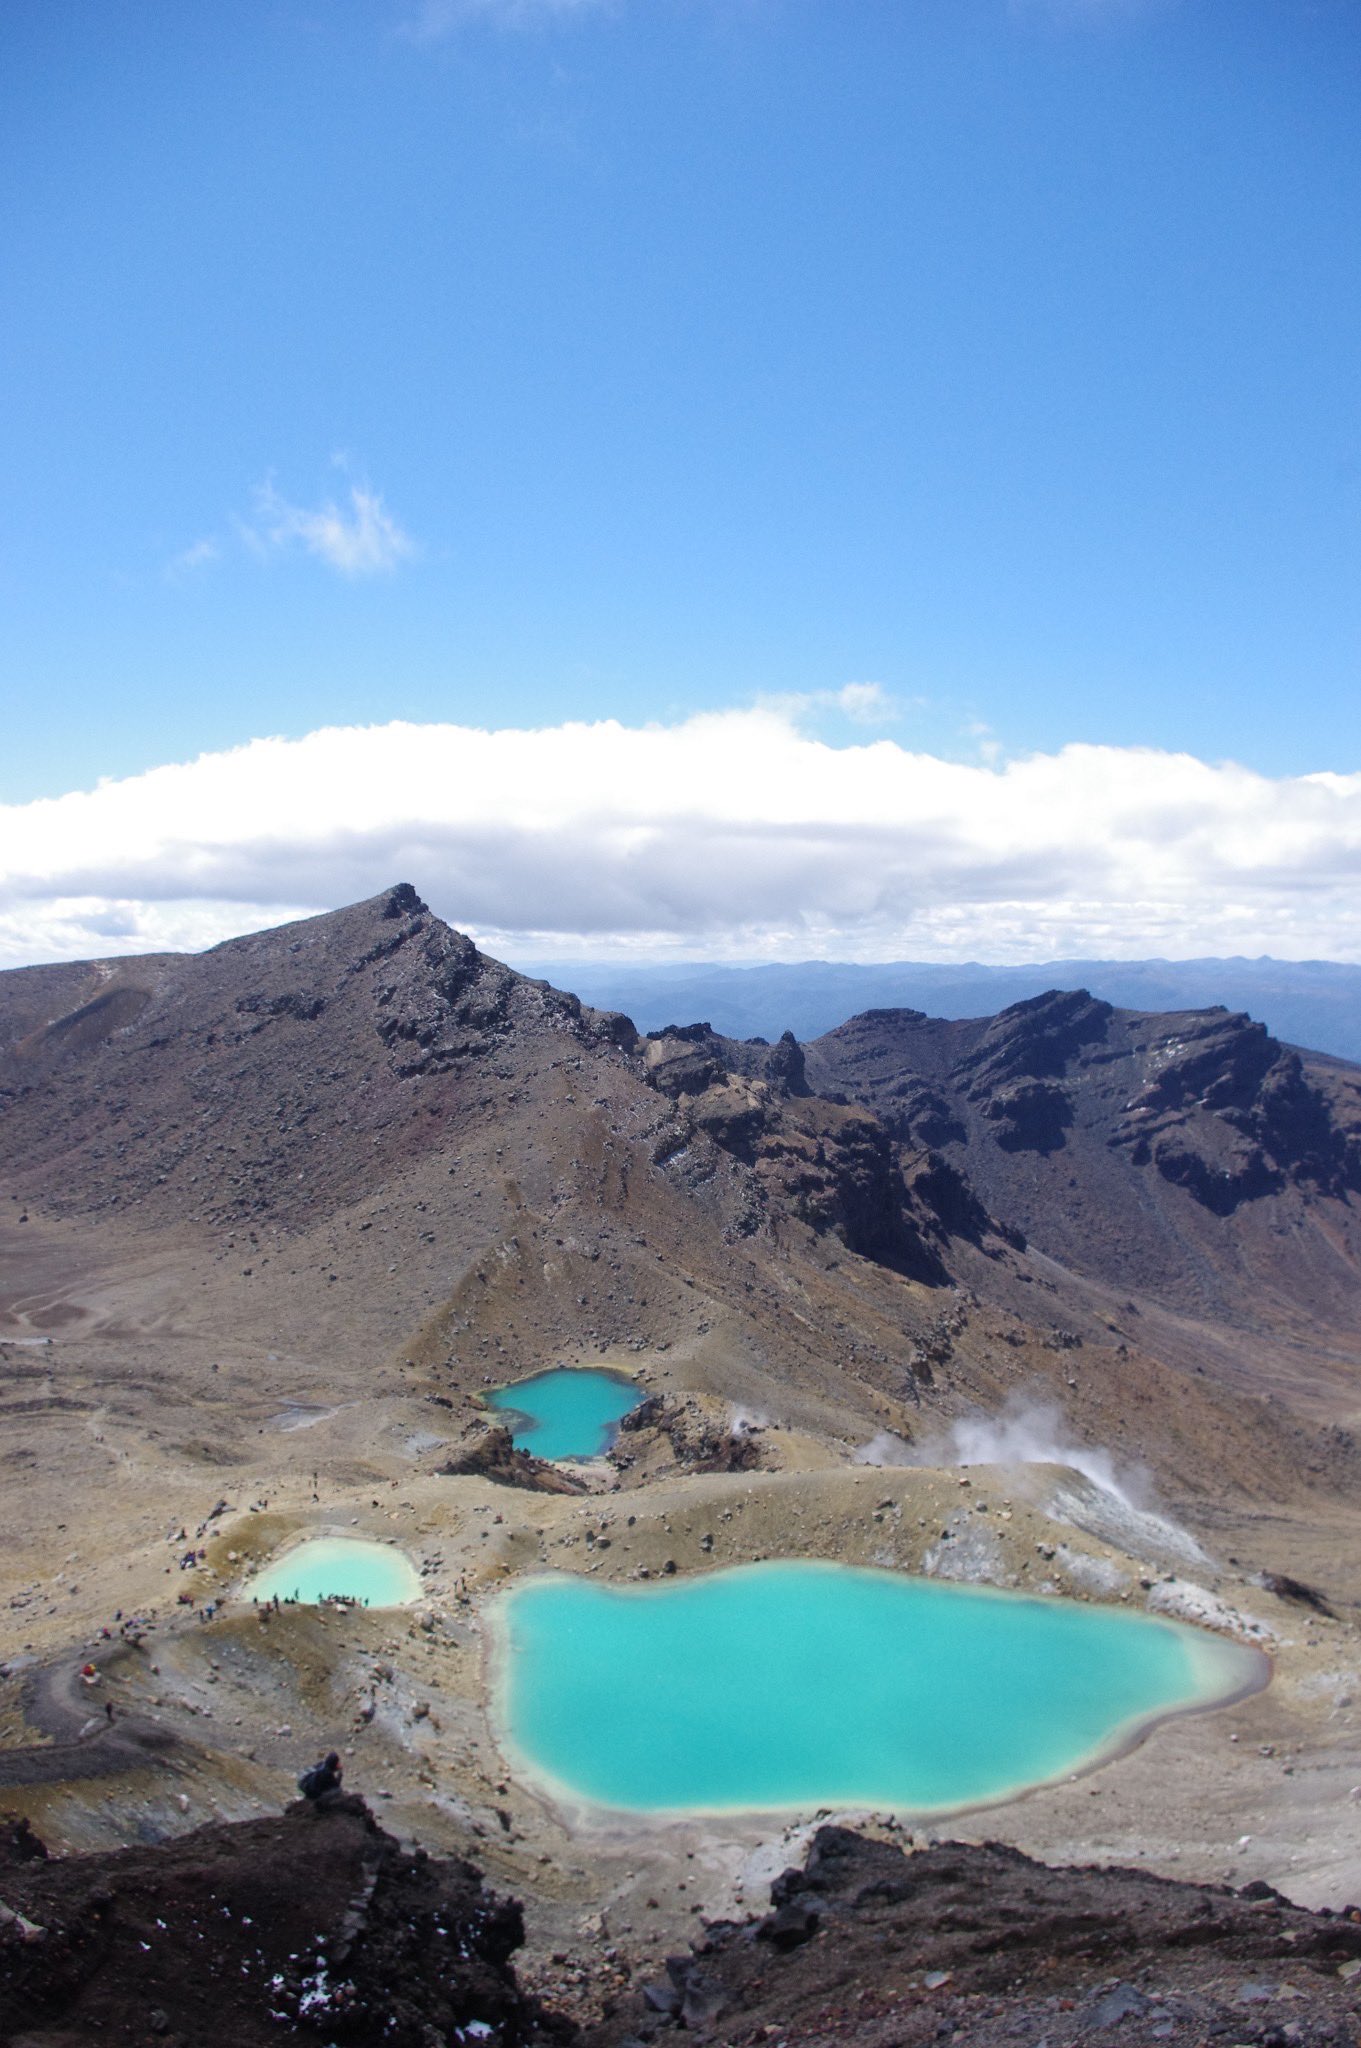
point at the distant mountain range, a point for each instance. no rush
(1313, 1003)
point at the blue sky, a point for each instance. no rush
(499, 363)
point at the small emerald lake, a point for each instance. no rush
(802, 1684)
(339, 1568)
(566, 1413)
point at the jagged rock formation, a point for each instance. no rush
(1230, 1115)
(980, 1945)
(827, 1162)
(693, 1440)
(491, 1453)
(1073, 1121)
(1214, 1102)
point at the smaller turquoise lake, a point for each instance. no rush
(800, 1684)
(339, 1568)
(566, 1413)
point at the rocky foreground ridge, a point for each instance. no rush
(318, 1926)
(314, 1926)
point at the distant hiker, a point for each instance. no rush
(321, 1778)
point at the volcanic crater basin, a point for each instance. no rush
(786, 1685)
(567, 1412)
(339, 1568)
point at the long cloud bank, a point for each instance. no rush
(734, 834)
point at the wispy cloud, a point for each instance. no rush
(733, 834)
(195, 557)
(985, 740)
(433, 19)
(360, 538)
(858, 703)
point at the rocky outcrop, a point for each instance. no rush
(1033, 1041)
(685, 1059)
(918, 1114)
(315, 1925)
(1206, 1100)
(977, 1944)
(832, 1165)
(444, 1002)
(1014, 1072)
(1029, 1116)
(1229, 1114)
(492, 1454)
(695, 1439)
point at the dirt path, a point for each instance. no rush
(84, 1742)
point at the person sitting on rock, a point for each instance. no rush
(321, 1778)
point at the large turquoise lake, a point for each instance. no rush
(804, 1684)
(566, 1413)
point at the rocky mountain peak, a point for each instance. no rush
(273, 1072)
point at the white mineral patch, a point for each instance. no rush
(972, 1554)
(1083, 1503)
(1188, 1602)
(1090, 1574)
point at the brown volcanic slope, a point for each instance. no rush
(354, 1158)
(372, 1144)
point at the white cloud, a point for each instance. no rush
(364, 540)
(734, 834)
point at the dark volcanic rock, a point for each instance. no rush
(696, 1441)
(1229, 1114)
(1034, 1040)
(943, 1191)
(1085, 1129)
(493, 1454)
(831, 1164)
(978, 1944)
(1030, 1116)
(314, 1926)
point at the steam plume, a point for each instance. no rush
(1024, 1432)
